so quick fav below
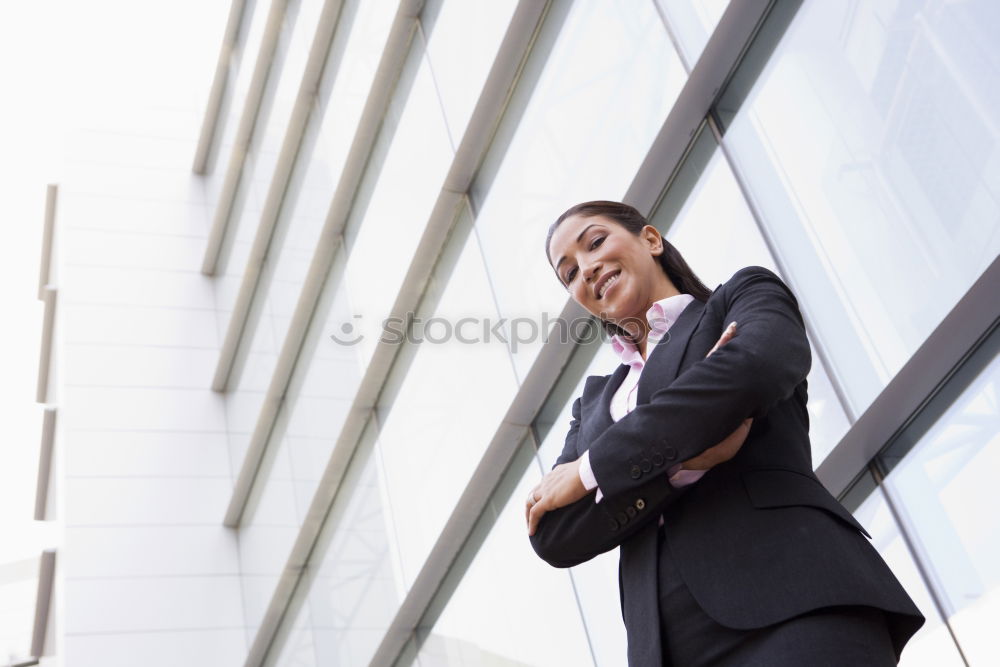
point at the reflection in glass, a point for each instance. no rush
(319, 397)
(350, 592)
(946, 492)
(880, 183)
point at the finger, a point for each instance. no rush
(726, 336)
(530, 502)
(537, 511)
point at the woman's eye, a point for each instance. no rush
(570, 275)
(596, 242)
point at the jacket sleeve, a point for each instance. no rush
(759, 367)
(576, 533)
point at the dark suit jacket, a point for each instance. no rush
(758, 539)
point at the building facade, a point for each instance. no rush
(303, 386)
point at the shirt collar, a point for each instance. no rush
(661, 316)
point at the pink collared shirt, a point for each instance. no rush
(660, 316)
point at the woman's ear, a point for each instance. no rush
(652, 237)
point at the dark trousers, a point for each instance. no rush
(830, 637)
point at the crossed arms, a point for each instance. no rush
(701, 407)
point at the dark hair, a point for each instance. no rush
(671, 261)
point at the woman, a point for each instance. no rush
(694, 458)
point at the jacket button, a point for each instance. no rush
(646, 465)
(622, 518)
(640, 504)
(657, 459)
(670, 453)
(631, 511)
(613, 525)
(635, 472)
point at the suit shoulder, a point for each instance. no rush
(752, 272)
(750, 275)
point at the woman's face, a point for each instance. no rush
(611, 272)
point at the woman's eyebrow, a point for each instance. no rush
(577, 240)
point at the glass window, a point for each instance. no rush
(350, 591)
(932, 646)
(691, 22)
(944, 489)
(444, 401)
(717, 234)
(486, 620)
(602, 96)
(319, 396)
(872, 153)
(461, 49)
(395, 199)
(596, 580)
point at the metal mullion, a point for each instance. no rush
(255, 280)
(380, 94)
(259, 81)
(45, 463)
(235, 30)
(48, 235)
(968, 322)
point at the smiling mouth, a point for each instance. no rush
(603, 288)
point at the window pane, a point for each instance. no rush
(945, 488)
(434, 429)
(932, 646)
(872, 152)
(586, 129)
(691, 22)
(319, 396)
(596, 580)
(395, 200)
(716, 233)
(461, 49)
(350, 590)
(487, 619)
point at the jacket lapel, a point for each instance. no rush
(598, 420)
(661, 369)
(665, 359)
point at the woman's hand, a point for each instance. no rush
(729, 447)
(560, 487)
